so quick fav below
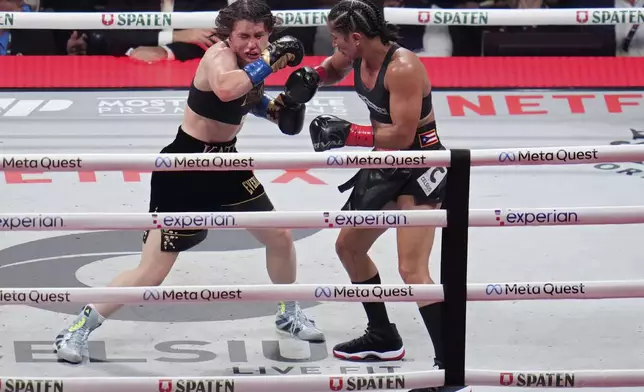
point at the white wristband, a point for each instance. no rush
(165, 37)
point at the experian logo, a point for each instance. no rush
(11, 107)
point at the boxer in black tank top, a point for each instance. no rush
(393, 83)
(227, 85)
(377, 98)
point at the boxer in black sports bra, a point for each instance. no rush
(393, 83)
(228, 84)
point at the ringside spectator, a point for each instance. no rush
(33, 42)
(629, 37)
(156, 45)
(73, 42)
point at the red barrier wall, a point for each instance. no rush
(451, 72)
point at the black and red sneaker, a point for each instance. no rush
(378, 343)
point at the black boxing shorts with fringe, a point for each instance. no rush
(202, 191)
(374, 188)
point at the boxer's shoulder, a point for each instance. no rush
(219, 50)
(405, 67)
(403, 61)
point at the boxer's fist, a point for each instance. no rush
(302, 85)
(285, 51)
(328, 132)
(291, 119)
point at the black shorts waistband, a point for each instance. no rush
(427, 138)
(193, 145)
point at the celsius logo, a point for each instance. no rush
(11, 107)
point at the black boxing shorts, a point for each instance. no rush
(374, 188)
(202, 191)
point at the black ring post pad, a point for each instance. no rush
(454, 265)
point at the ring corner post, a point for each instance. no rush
(454, 265)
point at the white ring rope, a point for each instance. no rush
(511, 291)
(556, 378)
(574, 155)
(325, 383)
(318, 17)
(500, 217)
(287, 383)
(338, 293)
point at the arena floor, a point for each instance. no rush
(227, 339)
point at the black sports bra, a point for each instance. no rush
(377, 99)
(207, 104)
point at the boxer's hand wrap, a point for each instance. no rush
(329, 132)
(285, 51)
(288, 115)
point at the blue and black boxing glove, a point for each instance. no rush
(285, 51)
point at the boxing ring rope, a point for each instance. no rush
(325, 383)
(573, 155)
(454, 290)
(506, 217)
(509, 291)
(455, 220)
(318, 17)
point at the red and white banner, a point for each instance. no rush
(448, 72)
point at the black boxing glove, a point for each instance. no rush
(285, 51)
(291, 119)
(288, 116)
(329, 132)
(302, 85)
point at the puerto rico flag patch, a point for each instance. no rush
(428, 138)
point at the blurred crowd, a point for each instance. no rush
(430, 40)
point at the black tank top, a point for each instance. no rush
(377, 99)
(207, 104)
